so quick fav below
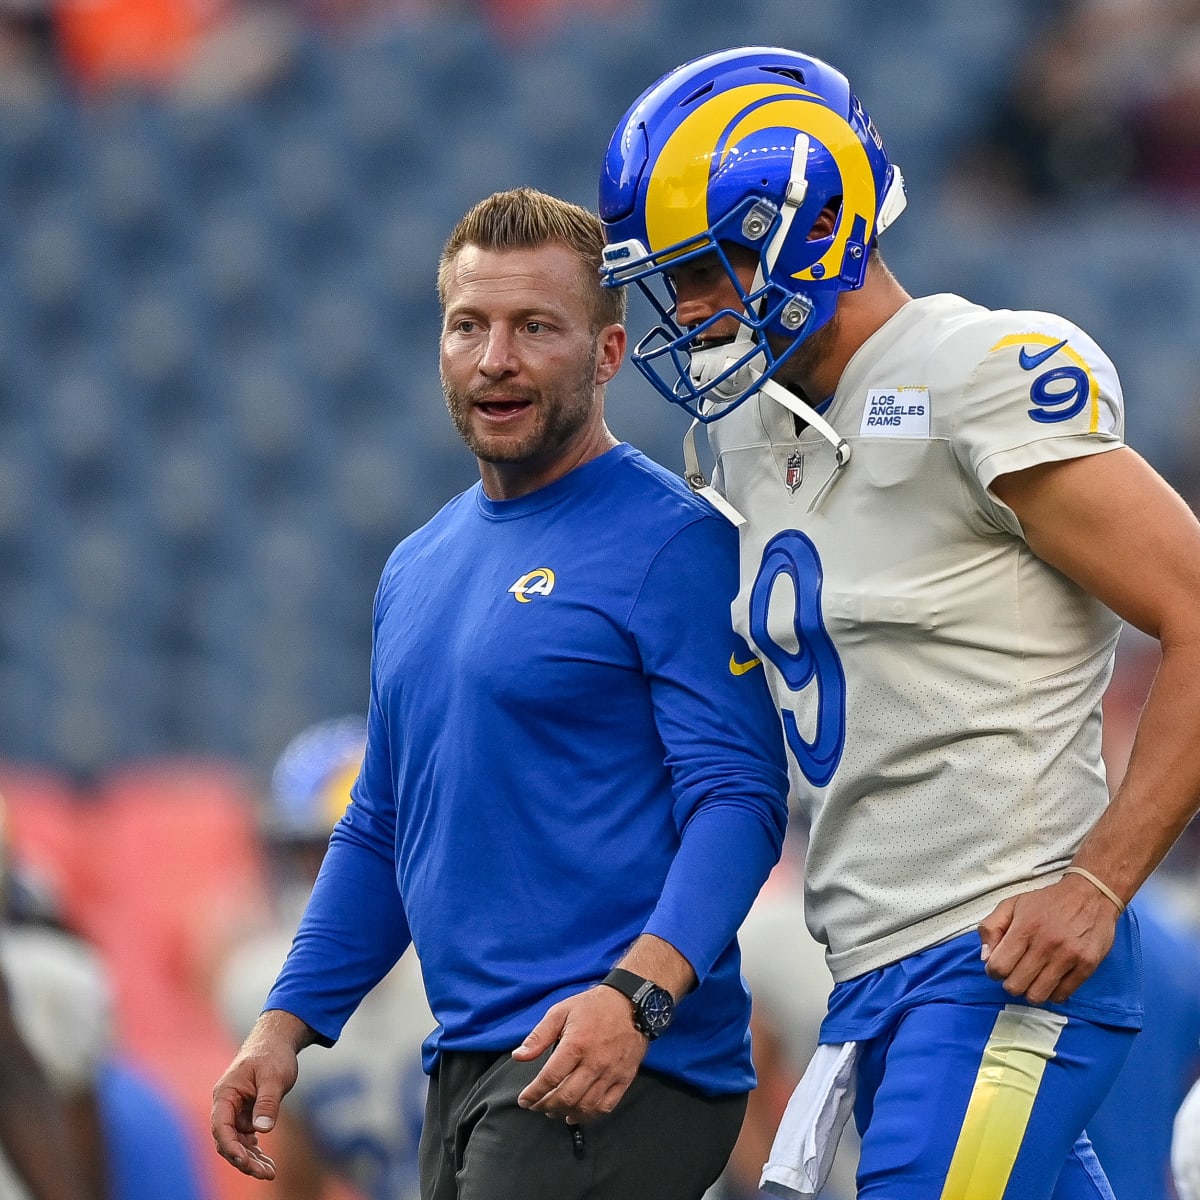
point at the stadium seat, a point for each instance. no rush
(39, 151)
(214, 312)
(133, 195)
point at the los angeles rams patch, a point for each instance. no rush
(896, 412)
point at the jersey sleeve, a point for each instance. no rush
(723, 741)
(1043, 391)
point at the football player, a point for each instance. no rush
(35, 1141)
(942, 529)
(78, 1129)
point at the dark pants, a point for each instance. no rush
(663, 1141)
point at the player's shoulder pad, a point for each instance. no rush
(1033, 340)
(971, 334)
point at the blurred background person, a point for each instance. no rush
(1131, 1130)
(1185, 1147)
(1105, 102)
(37, 1159)
(354, 1118)
(62, 1005)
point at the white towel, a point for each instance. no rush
(812, 1124)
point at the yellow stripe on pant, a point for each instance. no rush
(1021, 1044)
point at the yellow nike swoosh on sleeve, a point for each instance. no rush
(740, 668)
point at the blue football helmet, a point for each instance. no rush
(743, 147)
(311, 781)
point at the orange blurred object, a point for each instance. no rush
(143, 41)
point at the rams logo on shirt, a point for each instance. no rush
(539, 582)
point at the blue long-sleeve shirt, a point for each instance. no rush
(565, 750)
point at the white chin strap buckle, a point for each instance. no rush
(711, 363)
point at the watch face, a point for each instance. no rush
(656, 1010)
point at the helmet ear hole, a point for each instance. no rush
(827, 220)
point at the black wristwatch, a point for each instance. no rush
(653, 1006)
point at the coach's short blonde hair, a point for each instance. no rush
(524, 219)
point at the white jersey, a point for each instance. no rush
(361, 1100)
(62, 1003)
(939, 685)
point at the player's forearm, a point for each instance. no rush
(1160, 791)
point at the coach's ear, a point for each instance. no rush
(610, 352)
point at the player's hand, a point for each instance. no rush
(246, 1099)
(1043, 944)
(597, 1056)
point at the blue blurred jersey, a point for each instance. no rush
(133, 1109)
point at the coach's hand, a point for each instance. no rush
(1043, 944)
(246, 1098)
(597, 1056)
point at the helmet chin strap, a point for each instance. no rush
(698, 481)
(793, 197)
(709, 364)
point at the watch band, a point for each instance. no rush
(627, 983)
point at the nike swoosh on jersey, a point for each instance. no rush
(740, 668)
(1030, 362)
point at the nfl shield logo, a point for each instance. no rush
(794, 475)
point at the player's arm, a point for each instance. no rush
(33, 1127)
(1114, 526)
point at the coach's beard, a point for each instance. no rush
(557, 417)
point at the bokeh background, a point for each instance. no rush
(219, 404)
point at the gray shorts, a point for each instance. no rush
(663, 1141)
